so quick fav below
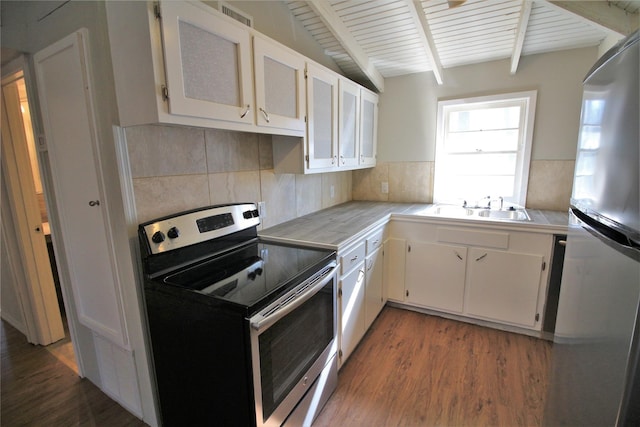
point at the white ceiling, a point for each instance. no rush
(373, 39)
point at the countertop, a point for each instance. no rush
(338, 226)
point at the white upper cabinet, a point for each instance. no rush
(279, 80)
(368, 128)
(349, 123)
(322, 107)
(208, 64)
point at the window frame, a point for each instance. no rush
(525, 139)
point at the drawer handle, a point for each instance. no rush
(375, 242)
(482, 256)
(354, 258)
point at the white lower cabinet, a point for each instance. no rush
(361, 295)
(374, 294)
(491, 274)
(352, 319)
(435, 275)
(504, 286)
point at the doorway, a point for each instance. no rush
(41, 300)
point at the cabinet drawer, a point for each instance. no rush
(352, 258)
(374, 241)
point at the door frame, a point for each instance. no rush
(39, 303)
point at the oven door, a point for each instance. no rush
(292, 340)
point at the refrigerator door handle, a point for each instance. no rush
(609, 234)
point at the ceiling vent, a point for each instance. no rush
(235, 13)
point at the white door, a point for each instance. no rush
(38, 299)
(435, 275)
(349, 123)
(368, 127)
(69, 125)
(352, 316)
(322, 107)
(279, 80)
(503, 286)
(208, 64)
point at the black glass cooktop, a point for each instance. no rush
(250, 273)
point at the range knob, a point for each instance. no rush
(173, 233)
(158, 237)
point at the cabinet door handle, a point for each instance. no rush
(265, 114)
(342, 158)
(562, 242)
(481, 256)
(93, 203)
(246, 111)
(458, 255)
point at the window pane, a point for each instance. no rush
(479, 164)
(484, 119)
(493, 140)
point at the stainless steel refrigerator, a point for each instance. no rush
(595, 377)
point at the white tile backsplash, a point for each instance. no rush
(179, 168)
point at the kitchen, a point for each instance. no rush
(241, 164)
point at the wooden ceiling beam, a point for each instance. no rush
(426, 37)
(603, 14)
(334, 23)
(523, 22)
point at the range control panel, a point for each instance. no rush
(197, 226)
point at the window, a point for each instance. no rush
(483, 148)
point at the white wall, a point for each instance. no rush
(273, 19)
(407, 127)
(29, 27)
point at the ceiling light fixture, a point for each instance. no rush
(455, 3)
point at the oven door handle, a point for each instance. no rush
(271, 315)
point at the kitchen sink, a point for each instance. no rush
(453, 211)
(515, 215)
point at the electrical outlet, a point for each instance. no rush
(384, 188)
(262, 209)
(332, 192)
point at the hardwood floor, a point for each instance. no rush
(39, 390)
(410, 370)
(413, 369)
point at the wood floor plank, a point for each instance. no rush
(413, 369)
(39, 390)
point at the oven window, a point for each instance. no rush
(292, 345)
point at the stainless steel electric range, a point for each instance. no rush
(242, 331)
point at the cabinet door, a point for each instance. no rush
(368, 127)
(394, 269)
(373, 295)
(279, 79)
(352, 318)
(65, 94)
(322, 107)
(435, 275)
(208, 64)
(503, 286)
(348, 123)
